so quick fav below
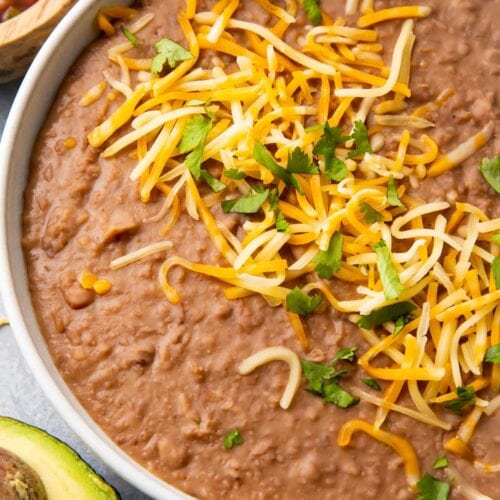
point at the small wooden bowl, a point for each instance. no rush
(23, 35)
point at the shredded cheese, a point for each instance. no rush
(277, 354)
(397, 443)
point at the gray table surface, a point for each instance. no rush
(20, 395)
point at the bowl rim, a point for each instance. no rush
(48, 378)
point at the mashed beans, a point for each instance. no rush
(162, 380)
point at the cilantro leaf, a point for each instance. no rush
(282, 225)
(401, 322)
(299, 163)
(195, 132)
(496, 238)
(169, 52)
(273, 199)
(338, 396)
(215, 184)
(313, 11)
(300, 303)
(491, 172)
(371, 382)
(493, 354)
(328, 261)
(193, 161)
(323, 381)
(130, 36)
(332, 137)
(193, 139)
(391, 283)
(361, 141)
(392, 194)
(370, 215)
(263, 156)
(385, 314)
(466, 396)
(232, 438)
(430, 488)
(316, 374)
(440, 463)
(248, 204)
(345, 354)
(495, 269)
(235, 174)
(335, 169)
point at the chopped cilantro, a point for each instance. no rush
(215, 184)
(392, 194)
(369, 213)
(332, 137)
(335, 394)
(313, 11)
(401, 322)
(493, 354)
(336, 169)
(440, 463)
(299, 163)
(300, 303)
(169, 52)
(496, 238)
(345, 354)
(248, 204)
(430, 488)
(273, 198)
(495, 269)
(282, 225)
(193, 160)
(264, 157)
(388, 275)
(232, 438)
(328, 261)
(235, 174)
(195, 132)
(385, 314)
(193, 139)
(130, 36)
(316, 374)
(361, 141)
(323, 381)
(466, 396)
(491, 172)
(371, 382)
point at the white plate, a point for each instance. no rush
(27, 116)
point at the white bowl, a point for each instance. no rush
(27, 116)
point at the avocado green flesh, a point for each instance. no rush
(63, 473)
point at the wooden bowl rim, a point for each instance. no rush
(20, 26)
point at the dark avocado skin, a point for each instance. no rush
(18, 481)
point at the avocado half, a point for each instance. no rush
(63, 473)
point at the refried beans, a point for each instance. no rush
(161, 378)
